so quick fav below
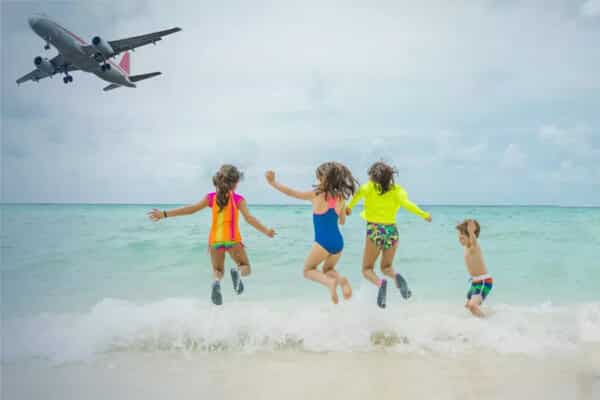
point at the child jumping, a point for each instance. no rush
(335, 185)
(481, 282)
(225, 234)
(383, 198)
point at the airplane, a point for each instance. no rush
(74, 54)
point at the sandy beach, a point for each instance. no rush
(302, 375)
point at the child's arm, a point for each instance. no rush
(472, 237)
(357, 196)
(343, 213)
(413, 208)
(251, 219)
(270, 176)
(157, 214)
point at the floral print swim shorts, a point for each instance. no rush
(384, 236)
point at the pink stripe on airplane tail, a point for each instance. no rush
(124, 64)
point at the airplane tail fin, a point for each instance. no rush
(111, 87)
(125, 63)
(141, 77)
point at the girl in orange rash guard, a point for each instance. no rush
(224, 234)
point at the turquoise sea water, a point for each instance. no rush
(110, 263)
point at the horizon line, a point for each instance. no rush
(299, 205)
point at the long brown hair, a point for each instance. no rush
(336, 180)
(225, 180)
(382, 175)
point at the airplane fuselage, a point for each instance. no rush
(71, 48)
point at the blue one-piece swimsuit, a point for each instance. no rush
(327, 231)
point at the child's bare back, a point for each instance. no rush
(474, 260)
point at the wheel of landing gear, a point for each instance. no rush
(66, 79)
(70, 78)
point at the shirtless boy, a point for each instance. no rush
(481, 282)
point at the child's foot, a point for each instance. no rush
(238, 285)
(382, 294)
(401, 284)
(333, 290)
(346, 288)
(216, 296)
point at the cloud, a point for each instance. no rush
(514, 158)
(580, 140)
(555, 135)
(284, 86)
(570, 172)
(591, 8)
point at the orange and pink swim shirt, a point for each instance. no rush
(224, 231)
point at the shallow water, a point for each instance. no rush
(83, 280)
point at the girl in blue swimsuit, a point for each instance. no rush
(335, 185)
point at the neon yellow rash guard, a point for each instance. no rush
(382, 208)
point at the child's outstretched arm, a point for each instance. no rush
(270, 176)
(157, 214)
(251, 219)
(357, 197)
(413, 208)
(472, 237)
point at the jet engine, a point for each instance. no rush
(44, 65)
(103, 48)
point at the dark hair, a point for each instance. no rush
(225, 180)
(336, 180)
(463, 227)
(382, 175)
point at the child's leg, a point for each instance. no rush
(473, 305)
(316, 256)
(217, 258)
(329, 270)
(387, 260)
(239, 256)
(369, 257)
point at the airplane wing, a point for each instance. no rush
(134, 42)
(60, 65)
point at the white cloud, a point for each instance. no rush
(570, 172)
(580, 140)
(591, 8)
(554, 135)
(453, 147)
(513, 158)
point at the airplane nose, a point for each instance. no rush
(33, 21)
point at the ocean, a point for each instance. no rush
(95, 290)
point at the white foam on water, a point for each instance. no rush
(187, 324)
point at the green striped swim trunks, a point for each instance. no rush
(480, 288)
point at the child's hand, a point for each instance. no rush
(471, 226)
(348, 211)
(270, 176)
(428, 219)
(270, 233)
(155, 214)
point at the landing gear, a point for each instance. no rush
(47, 45)
(68, 79)
(105, 66)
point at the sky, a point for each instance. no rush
(474, 102)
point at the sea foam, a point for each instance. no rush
(187, 324)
